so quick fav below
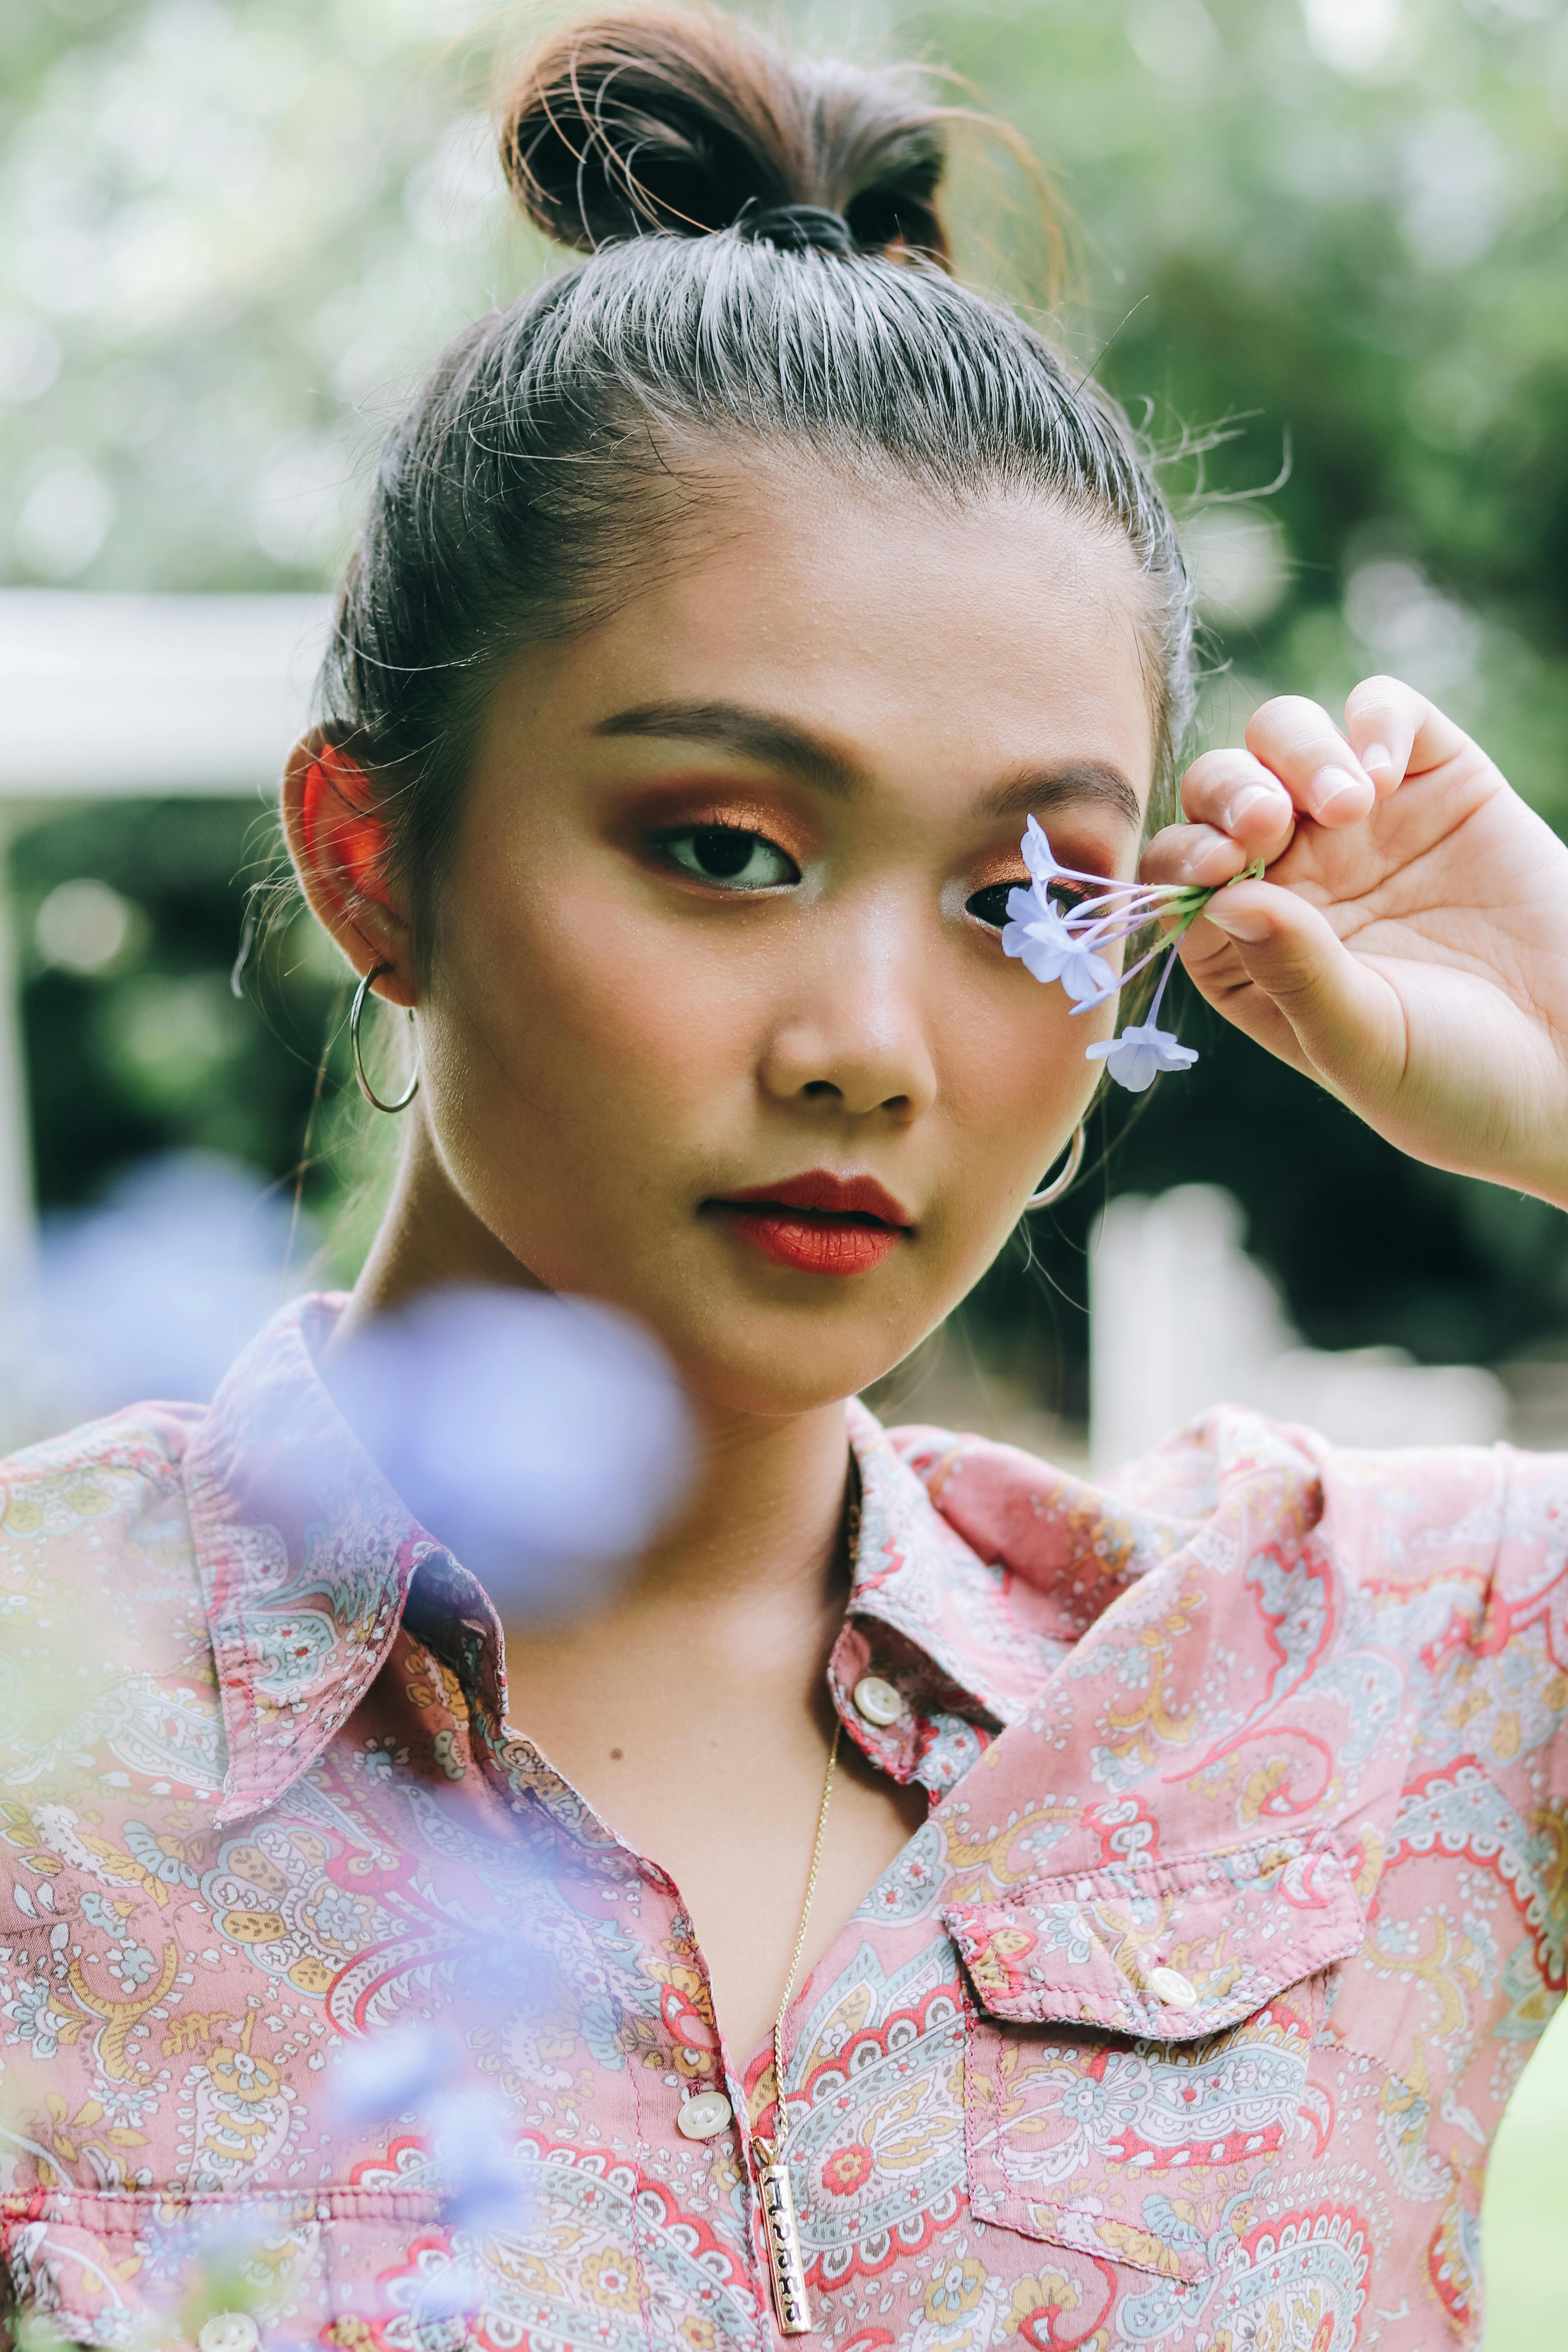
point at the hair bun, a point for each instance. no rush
(665, 120)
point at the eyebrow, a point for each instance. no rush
(735, 727)
(775, 742)
(1075, 782)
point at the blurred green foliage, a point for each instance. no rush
(154, 1052)
(238, 228)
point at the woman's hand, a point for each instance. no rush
(1409, 948)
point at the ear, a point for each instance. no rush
(339, 843)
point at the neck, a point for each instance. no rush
(762, 1529)
(426, 1238)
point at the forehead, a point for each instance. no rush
(906, 626)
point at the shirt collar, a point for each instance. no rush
(306, 1555)
(309, 1560)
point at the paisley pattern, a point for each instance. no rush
(1183, 2021)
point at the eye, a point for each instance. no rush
(990, 906)
(728, 855)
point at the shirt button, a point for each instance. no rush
(704, 2115)
(877, 1701)
(229, 2331)
(1171, 1987)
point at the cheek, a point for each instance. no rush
(1015, 1073)
(595, 1011)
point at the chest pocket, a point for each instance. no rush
(1138, 2055)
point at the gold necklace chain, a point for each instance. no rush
(779, 2126)
(791, 2306)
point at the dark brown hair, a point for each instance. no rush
(766, 263)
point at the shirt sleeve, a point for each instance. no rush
(1457, 1561)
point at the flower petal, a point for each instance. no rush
(1042, 956)
(1087, 975)
(1136, 1070)
(1037, 852)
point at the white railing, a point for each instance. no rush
(1181, 1318)
(105, 695)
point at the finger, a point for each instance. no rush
(1193, 855)
(1299, 743)
(1382, 715)
(1381, 719)
(1345, 1017)
(1237, 794)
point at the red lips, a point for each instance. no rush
(819, 1222)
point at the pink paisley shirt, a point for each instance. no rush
(1184, 2022)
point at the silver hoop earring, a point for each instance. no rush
(1054, 1191)
(367, 1089)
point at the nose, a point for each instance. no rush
(855, 1037)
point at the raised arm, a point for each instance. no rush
(1409, 947)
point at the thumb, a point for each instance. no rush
(1348, 1023)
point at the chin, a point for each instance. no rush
(776, 1365)
(767, 1389)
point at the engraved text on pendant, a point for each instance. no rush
(790, 2302)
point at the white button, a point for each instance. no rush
(701, 2117)
(1169, 1986)
(229, 2331)
(877, 1701)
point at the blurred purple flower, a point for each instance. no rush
(483, 2181)
(390, 2073)
(450, 2292)
(541, 1440)
(151, 1295)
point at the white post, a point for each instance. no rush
(1179, 1318)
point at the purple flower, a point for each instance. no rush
(1136, 1057)
(1044, 941)
(1066, 947)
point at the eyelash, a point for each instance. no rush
(665, 838)
(1065, 895)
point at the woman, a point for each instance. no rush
(725, 608)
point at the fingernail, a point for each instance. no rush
(1237, 922)
(1331, 785)
(1249, 797)
(1376, 756)
(1197, 867)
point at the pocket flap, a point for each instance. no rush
(1169, 1951)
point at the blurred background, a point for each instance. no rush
(1329, 231)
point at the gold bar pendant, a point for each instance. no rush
(791, 2305)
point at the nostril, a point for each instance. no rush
(818, 1087)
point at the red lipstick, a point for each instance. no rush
(817, 1223)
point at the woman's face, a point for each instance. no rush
(723, 931)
